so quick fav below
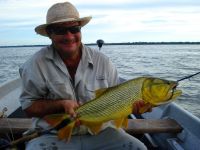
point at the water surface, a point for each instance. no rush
(165, 61)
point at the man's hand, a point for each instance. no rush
(70, 106)
(140, 107)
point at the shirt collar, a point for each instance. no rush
(51, 54)
(86, 55)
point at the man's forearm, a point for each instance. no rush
(40, 108)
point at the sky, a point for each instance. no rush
(112, 20)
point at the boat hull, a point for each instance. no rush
(188, 138)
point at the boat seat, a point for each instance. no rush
(141, 126)
(15, 125)
(135, 126)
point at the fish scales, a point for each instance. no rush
(119, 98)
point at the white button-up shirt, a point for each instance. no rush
(45, 76)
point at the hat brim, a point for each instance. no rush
(41, 29)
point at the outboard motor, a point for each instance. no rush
(100, 43)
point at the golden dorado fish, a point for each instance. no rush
(115, 103)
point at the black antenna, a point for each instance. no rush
(100, 43)
(187, 77)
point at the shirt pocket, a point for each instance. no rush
(60, 90)
(99, 83)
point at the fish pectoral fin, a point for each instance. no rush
(65, 133)
(55, 119)
(119, 122)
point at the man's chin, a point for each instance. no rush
(69, 48)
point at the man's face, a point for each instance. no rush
(67, 42)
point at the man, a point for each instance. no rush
(60, 77)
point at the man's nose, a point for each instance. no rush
(68, 35)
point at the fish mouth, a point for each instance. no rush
(175, 92)
(173, 89)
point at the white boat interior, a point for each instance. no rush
(9, 95)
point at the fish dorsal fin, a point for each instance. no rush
(100, 92)
(55, 119)
(65, 133)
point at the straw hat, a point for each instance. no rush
(61, 12)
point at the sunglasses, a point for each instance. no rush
(58, 30)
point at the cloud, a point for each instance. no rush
(129, 18)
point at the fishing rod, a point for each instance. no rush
(35, 134)
(187, 77)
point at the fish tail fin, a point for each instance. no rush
(63, 123)
(66, 132)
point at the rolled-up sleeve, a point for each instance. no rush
(33, 85)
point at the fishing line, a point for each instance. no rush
(184, 78)
(187, 77)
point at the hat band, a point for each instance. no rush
(57, 19)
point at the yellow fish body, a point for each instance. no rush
(115, 103)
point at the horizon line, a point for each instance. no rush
(110, 43)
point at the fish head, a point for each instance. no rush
(158, 91)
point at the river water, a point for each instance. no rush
(164, 61)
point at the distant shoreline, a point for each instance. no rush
(125, 43)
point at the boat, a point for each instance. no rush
(166, 127)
